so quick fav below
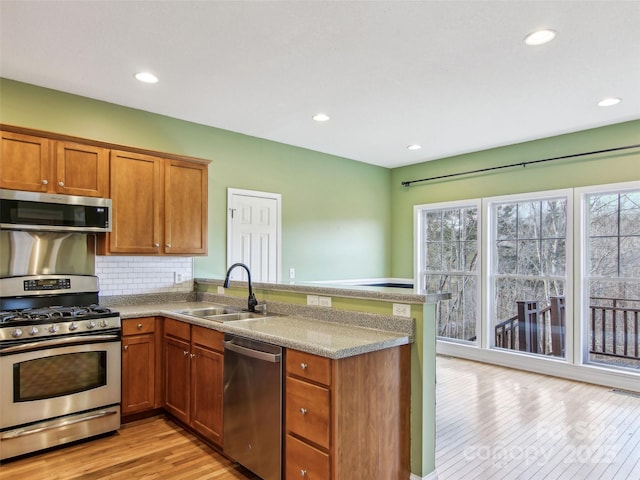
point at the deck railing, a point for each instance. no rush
(614, 332)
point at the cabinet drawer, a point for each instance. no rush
(305, 462)
(136, 326)
(207, 338)
(309, 366)
(174, 328)
(307, 411)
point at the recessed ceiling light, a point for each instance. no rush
(321, 117)
(414, 147)
(146, 77)
(539, 37)
(608, 102)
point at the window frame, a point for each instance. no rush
(419, 255)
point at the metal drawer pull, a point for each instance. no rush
(303, 366)
(303, 472)
(61, 184)
(139, 326)
(126, 347)
(185, 353)
(303, 411)
(192, 355)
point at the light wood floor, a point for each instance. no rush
(501, 424)
(493, 423)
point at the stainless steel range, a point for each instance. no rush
(60, 356)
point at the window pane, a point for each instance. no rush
(507, 257)
(603, 257)
(470, 221)
(554, 257)
(630, 214)
(506, 216)
(554, 219)
(603, 215)
(434, 256)
(433, 224)
(529, 220)
(630, 257)
(529, 257)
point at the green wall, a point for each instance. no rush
(577, 172)
(336, 212)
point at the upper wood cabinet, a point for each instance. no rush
(39, 164)
(159, 206)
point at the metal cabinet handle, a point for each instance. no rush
(126, 347)
(168, 245)
(303, 411)
(192, 355)
(156, 245)
(139, 326)
(185, 353)
(45, 182)
(303, 472)
(61, 184)
(303, 366)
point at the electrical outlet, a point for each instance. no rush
(312, 299)
(324, 301)
(292, 273)
(220, 290)
(402, 310)
(178, 277)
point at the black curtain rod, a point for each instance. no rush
(520, 164)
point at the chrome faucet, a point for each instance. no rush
(252, 298)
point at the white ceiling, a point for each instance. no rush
(453, 76)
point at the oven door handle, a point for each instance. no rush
(60, 342)
(54, 425)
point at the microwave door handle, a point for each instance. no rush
(60, 342)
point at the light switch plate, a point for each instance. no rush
(312, 299)
(220, 290)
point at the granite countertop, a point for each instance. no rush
(319, 337)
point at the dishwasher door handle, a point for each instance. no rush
(250, 352)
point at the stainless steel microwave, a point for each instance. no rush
(54, 213)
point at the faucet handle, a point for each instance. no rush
(261, 308)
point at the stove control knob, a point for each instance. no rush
(33, 331)
(53, 328)
(16, 333)
(73, 326)
(91, 324)
(104, 323)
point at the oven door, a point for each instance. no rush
(52, 378)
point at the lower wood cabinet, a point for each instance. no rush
(347, 418)
(193, 382)
(139, 372)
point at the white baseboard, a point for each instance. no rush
(432, 476)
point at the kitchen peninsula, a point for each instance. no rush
(359, 322)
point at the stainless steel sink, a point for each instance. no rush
(222, 313)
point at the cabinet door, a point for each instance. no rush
(206, 392)
(138, 373)
(177, 378)
(24, 163)
(185, 213)
(82, 170)
(136, 191)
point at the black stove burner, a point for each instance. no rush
(54, 313)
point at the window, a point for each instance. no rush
(449, 262)
(529, 274)
(612, 286)
(525, 278)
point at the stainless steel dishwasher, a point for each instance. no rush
(253, 405)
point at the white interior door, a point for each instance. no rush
(253, 234)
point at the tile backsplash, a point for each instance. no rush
(136, 275)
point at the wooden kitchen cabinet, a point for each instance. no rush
(159, 206)
(347, 418)
(193, 365)
(139, 370)
(39, 164)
